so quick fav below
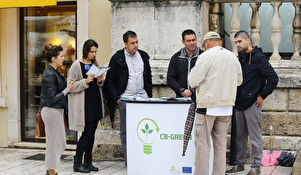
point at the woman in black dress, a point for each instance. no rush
(85, 106)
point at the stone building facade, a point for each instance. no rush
(159, 24)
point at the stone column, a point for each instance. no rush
(255, 23)
(297, 32)
(82, 25)
(214, 17)
(234, 25)
(276, 30)
(13, 75)
(2, 101)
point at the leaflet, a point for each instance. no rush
(94, 70)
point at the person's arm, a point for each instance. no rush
(100, 80)
(267, 71)
(239, 75)
(198, 72)
(171, 77)
(149, 79)
(109, 81)
(79, 85)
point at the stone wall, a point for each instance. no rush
(158, 24)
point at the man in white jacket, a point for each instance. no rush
(215, 77)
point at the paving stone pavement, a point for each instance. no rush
(20, 162)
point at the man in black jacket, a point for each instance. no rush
(181, 63)
(129, 75)
(259, 81)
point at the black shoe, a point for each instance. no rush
(91, 167)
(78, 166)
(88, 163)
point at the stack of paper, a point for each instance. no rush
(97, 71)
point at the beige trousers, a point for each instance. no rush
(55, 136)
(217, 127)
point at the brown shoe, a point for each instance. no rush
(236, 168)
(254, 171)
(47, 173)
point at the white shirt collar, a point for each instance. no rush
(127, 54)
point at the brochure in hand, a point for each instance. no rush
(94, 70)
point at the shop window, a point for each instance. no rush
(41, 26)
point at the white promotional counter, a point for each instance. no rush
(155, 132)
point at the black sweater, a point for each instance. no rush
(259, 78)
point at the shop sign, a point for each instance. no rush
(22, 3)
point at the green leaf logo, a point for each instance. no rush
(146, 127)
(147, 130)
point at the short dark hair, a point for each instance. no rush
(129, 34)
(242, 34)
(87, 47)
(52, 51)
(187, 32)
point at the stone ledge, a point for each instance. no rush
(277, 101)
(3, 102)
(32, 145)
(294, 101)
(297, 164)
(288, 77)
(282, 143)
(108, 151)
(107, 136)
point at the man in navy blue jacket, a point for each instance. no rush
(259, 81)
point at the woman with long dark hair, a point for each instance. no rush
(54, 102)
(85, 106)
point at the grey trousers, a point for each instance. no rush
(248, 122)
(122, 112)
(55, 136)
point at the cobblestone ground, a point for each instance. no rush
(31, 162)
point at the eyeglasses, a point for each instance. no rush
(87, 66)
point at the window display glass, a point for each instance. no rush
(41, 26)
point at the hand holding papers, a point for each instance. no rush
(97, 71)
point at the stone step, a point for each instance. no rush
(297, 164)
(107, 136)
(107, 145)
(108, 151)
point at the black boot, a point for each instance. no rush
(78, 166)
(88, 163)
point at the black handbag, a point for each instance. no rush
(286, 159)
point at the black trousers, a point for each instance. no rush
(122, 112)
(86, 141)
(233, 149)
